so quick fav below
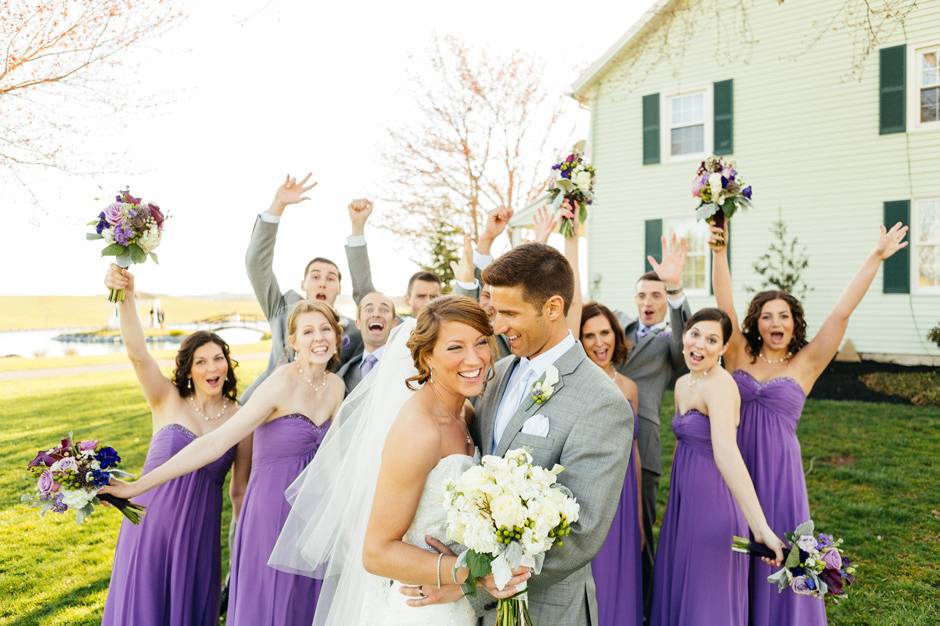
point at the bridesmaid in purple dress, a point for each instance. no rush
(289, 413)
(775, 368)
(697, 579)
(167, 569)
(617, 567)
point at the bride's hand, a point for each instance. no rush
(519, 576)
(119, 278)
(423, 595)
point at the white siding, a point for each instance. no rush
(806, 137)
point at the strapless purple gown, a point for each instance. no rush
(260, 595)
(167, 569)
(698, 580)
(616, 568)
(770, 413)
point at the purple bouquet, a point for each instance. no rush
(721, 191)
(132, 229)
(814, 565)
(69, 475)
(574, 182)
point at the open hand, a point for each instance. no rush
(291, 192)
(359, 212)
(890, 241)
(463, 270)
(545, 223)
(119, 278)
(674, 254)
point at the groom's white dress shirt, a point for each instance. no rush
(526, 372)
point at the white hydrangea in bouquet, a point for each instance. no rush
(131, 229)
(508, 513)
(720, 190)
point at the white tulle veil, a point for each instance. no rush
(332, 498)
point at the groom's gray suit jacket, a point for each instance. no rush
(277, 306)
(590, 428)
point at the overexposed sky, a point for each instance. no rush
(260, 88)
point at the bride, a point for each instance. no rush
(363, 508)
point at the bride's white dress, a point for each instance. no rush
(387, 606)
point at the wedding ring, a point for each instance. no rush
(421, 592)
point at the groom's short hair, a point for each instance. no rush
(541, 271)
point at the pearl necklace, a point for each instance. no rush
(317, 387)
(203, 415)
(783, 359)
(694, 381)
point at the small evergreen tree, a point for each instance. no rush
(934, 335)
(442, 248)
(783, 265)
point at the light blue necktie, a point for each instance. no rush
(367, 364)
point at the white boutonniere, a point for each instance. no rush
(543, 388)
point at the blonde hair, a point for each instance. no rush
(312, 306)
(424, 337)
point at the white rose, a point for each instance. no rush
(583, 181)
(508, 511)
(714, 182)
(108, 235)
(150, 239)
(475, 478)
(76, 498)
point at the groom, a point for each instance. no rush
(584, 423)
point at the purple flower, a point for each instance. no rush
(114, 214)
(45, 483)
(58, 506)
(807, 543)
(125, 196)
(90, 444)
(66, 464)
(801, 585)
(833, 581)
(108, 457)
(102, 223)
(724, 182)
(123, 234)
(747, 192)
(345, 342)
(157, 215)
(42, 458)
(99, 478)
(832, 559)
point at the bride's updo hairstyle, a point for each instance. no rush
(751, 333)
(425, 335)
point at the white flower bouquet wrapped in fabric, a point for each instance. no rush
(508, 513)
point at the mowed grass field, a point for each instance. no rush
(872, 481)
(35, 312)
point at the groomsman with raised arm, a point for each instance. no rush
(653, 363)
(422, 286)
(375, 320)
(321, 281)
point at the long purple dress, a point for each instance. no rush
(616, 568)
(167, 569)
(260, 595)
(770, 413)
(698, 580)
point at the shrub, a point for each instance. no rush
(921, 388)
(934, 335)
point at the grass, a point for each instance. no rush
(871, 481)
(34, 312)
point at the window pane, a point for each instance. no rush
(928, 60)
(930, 104)
(695, 233)
(928, 221)
(688, 140)
(929, 77)
(688, 109)
(928, 266)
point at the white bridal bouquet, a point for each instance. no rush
(508, 513)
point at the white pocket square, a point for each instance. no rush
(536, 425)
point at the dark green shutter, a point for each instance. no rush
(724, 113)
(651, 129)
(897, 270)
(892, 106)
(654, 243)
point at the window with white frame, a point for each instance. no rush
(695, 275)
(928, 83)
(926, 245)
(687, 124)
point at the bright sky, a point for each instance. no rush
(263, 88)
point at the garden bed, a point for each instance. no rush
(873, 381)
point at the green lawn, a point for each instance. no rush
(872, 482)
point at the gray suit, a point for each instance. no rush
(277, 305)
(351, 373)
(653, 364)
(590, 429)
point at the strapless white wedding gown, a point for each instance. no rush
(387, 606)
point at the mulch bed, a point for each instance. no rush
(840, 381)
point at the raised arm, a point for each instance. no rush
(545, 223)
(157, 388)
(595, 465)
(675, 252)
(212, 445)
(357, 252)
(724, 292)
(259, 257)
(549, 220)
(466, 281)
(723, 405)
(496, 222)
(814, 358)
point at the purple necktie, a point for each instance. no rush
(367, 364)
